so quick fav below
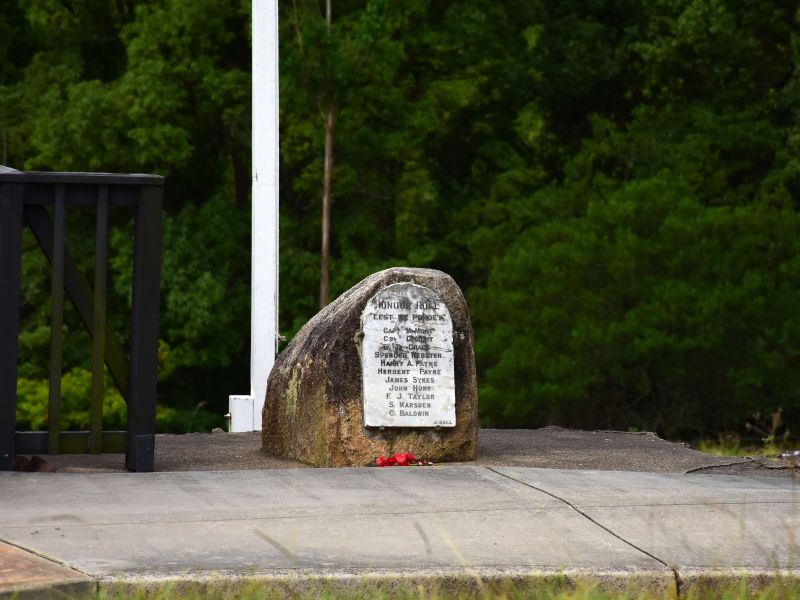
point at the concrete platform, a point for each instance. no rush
(291, 525)
(548, 447)
(666, 518)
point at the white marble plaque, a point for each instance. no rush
(407, 359)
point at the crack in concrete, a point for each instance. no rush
(779, 467)
(745, 461)
(675, 574)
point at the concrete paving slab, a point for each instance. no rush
(25, 574)
(451, 523)
(456, 519)
(617, 488)
(434, 540)
(692, 523)
(218, 496)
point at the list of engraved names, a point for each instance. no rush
(407, 359)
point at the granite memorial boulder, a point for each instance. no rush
(388, 367)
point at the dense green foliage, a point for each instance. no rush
(614, 185)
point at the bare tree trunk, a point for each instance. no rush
(324, 279)
(324, 282)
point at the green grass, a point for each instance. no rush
(767, 436)
(732, 446)
(771, 588)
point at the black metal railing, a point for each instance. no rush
(24, 198)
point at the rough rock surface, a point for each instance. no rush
(314, 411)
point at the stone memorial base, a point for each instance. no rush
(314, 409)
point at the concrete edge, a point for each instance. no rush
(447, 583)
(422, 583)
(712, 581)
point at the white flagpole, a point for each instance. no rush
(245, 411)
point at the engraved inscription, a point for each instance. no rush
(407, 359)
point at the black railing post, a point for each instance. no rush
(99, 323)
(143, 376)
(10, 265)
(57, 320)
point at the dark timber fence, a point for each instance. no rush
(24, 198)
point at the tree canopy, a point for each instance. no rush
(614, 185)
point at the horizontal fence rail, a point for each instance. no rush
(24, 199)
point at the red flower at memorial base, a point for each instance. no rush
(401, 459)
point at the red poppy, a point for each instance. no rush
(401, 459)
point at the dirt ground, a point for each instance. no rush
(549, 448)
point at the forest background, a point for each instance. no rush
(614, 184)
